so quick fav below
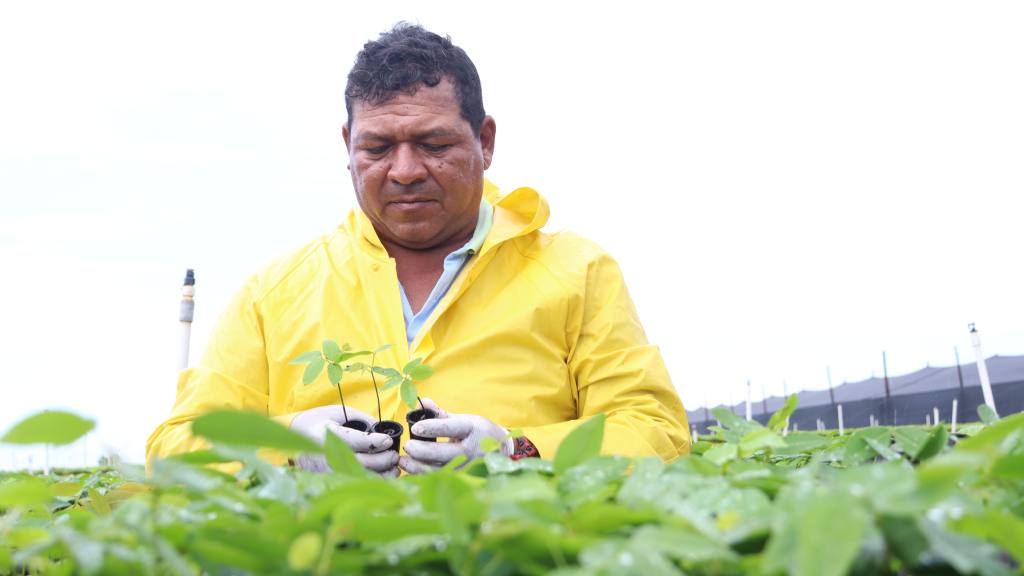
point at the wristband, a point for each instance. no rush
(523, 448)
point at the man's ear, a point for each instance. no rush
(345, 135)
(487, 132)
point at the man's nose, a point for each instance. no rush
(406, 165)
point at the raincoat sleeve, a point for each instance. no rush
(616, 371)
(231, 374)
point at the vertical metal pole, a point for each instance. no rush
(927, 419)
(959, 372)
(749, 412)
(986, 386)
(188, 305)
(831, 393)
(888, 404)
(935, 415)
(952, 428)
(764, 401)
(839, 412)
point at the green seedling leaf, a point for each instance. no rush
(781, 416)
(966, 554)
(23, 492)
(388, 372)
(312, 370)
(349, 355)
(825, 547)
(341, 457)
(582, 443)
(408, 392)
(722, 453)
(393, 381)
(334, 374)
(307, 357)
(357, 367)
(49, 427)
(488, 444)
(250, 429)
(332, 351)
(991, 438)
(454, 463)
(421, 372)
(934, 444)
(857, 447)
(380, 349)
(305, 551)
(1009, 467)
(758, 440)
(987, 415)
(411, 364)
(999, 526)
(909, 440)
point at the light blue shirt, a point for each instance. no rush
(453, 264)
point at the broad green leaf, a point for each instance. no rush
(488, 444)
(758, 440)
(357, 367)
(250, 429)
(454, 463)
(857, 447)
(203, 457)
(389, 372)
(987, 415)
(991, 439)
(722, 453)
(728, 418)
(349, 355)
(803, 443)
(825, 546)
(408, 392)
(779, 419)
(935, 443)
(421, 372)
(307, 357)
(312, 370)
(305, 551)
(881, 447)
(49, 427)
(909, 439)
(332, 351)
(392, 382)
(380, 349)
(582, 443)
(967, 554)
(999, 526)
(334, 374)
(341, 457)
(23, 492)
(1009, 467)
(66, 489)
(407, 369)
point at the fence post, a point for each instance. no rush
(953, 427)
(839, 411)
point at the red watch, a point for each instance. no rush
(523, 448)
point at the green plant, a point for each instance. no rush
(413, 371)
(886, 501)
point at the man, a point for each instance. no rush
(524, 330)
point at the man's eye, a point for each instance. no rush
(376, 149)
(435, 147)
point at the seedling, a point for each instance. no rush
(333, 358)
(330, 356)
(414, 370)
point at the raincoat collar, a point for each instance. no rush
(517, 213)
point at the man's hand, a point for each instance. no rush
(464, 431)
(371, 449)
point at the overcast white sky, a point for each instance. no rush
(788, 186)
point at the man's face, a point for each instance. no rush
(417, 167)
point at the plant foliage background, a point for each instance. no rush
(750, 500)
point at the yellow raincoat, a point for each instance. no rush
(538, 332)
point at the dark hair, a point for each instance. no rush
(407, 57)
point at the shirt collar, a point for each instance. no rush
(483, 225)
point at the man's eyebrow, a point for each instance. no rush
(433, 133)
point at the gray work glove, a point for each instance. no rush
(464, 433)
(371, 449)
